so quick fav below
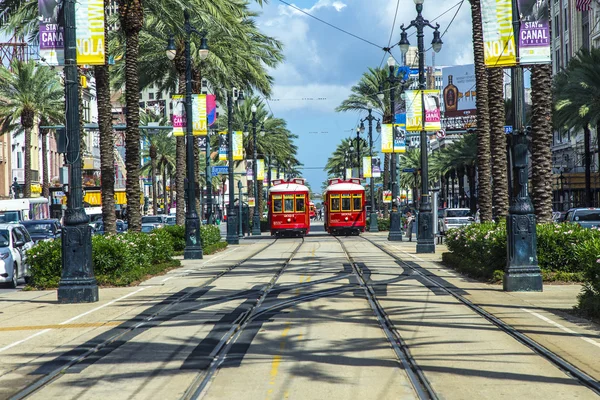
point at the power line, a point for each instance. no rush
(391, 33)
(331, 25)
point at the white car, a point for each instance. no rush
(454, 218)
(14, 244)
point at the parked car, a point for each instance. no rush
(584, 217)
(98, 227)
(147, 228)
(15, 241)
(43, 229)
(158, 220)
(171, 221)
(454, 218)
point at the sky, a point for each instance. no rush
(322, 63)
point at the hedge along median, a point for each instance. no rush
(120, 260)
(566, 252)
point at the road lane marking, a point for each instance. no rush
(188, 271)
(561, 327)
(277, 358)
(10, 346)
(58, 326)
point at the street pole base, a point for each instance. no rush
(256, 232)
(373, 226)
(78, 291)
(395, 234)
(193, 253)
(425, 246)
(522, 279)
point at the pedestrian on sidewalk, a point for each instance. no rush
(409, 225)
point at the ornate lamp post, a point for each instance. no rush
(370, 118)
(256, 215)
(193, 244)
(425, 242)
(208, 173)
(77, 283)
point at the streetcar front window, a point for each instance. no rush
(289, 204)
(346, 203)
(277, 204)
(335, 203)
(357, 203)
(300, 204)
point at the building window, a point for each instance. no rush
(159, 95)
(151, 96)
(556, 26)
(19, 162)
(566, 54)
(557, 60)
(566, 20)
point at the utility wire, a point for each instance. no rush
(333, 26)
(391, 34)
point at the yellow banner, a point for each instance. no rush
(366, 164)
(90, 32)
(178, 102)
(238, 145)
(348, 173)
(498, 34)
(199, 126)
(414, 110)
(260, 169)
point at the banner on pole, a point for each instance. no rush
(211, 109)
(202, 142)
(238, 145)
(534, 33)
(178, 115)
(89, 24)
(348, 173)
(260, 169)
(223, 146)
(199, 119)
(393, 138)
(366, 164)
(387, 196)
(249, 170)
(498, 34)
(376, 167)
(52, 41)
(415, 99)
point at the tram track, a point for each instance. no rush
(420, 383)
(57, 372)
(568, 368)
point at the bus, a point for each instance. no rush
(24, 209)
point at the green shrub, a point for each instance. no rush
(210, 235)
(213, 248)
(45, 260)
(177, 233)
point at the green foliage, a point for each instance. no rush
(177, 233)
(45, 259)
(383, 224)
(210, 235)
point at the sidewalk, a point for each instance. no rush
(546, 316)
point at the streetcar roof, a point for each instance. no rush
(288, 187)
(344, 187)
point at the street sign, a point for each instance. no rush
(220, 169)
(508, 129)
(412, 170)
(440, 134)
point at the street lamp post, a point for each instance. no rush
(359, 172)
(232, 217)
(425, 233)
(255, 215)
(77, 283)
(373, 227)
(240, 205)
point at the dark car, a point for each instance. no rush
(98, 228)
(584, 217)
(43, 229)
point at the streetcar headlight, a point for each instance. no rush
(289, 220)
(346, 219)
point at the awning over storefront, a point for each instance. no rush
(93, 198)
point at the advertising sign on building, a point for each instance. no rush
(223, 146)
(376, 167)
(178, 115)
(238, 145)
(366, 164)
(199, 121)
(415, 99)
(459, 93)
(498, 35)
(534, 33)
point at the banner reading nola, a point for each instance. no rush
(393, 139)
(199, 120)
(534, 34)
(366, 167)
(238, 145)
(498, 35)
(178, 114)
(249, 171)
(376, 167)
(414, 110)
(89, 31)
(260, 169)
(223, 146)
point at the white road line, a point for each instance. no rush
(561, 327)
(189, 271)
(69, 320)
(171, 277)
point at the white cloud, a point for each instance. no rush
(337, 5)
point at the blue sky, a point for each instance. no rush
(322, 62)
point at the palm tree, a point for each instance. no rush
(498, 141)
(483, 117)
(577, 104)
(152, 137)
(29, 93)
(338, 160)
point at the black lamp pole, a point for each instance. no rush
(232, 214)
(522, 273)
(395, 233)
(77, 283)
(373, 227)
(425, 241)
(256, 215)
(208, 173)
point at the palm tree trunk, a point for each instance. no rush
(541, 153)
(471, 179)
(588, 164)
(165, 196)
(498, 142)
(461, 187)
(27, 163)
(45, 180)
(483, 117)
(154, 188)
(132, 18)
(171, 188)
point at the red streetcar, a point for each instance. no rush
(344, 207)
(288, 208)
(313, 211)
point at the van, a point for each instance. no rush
(24, 209)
